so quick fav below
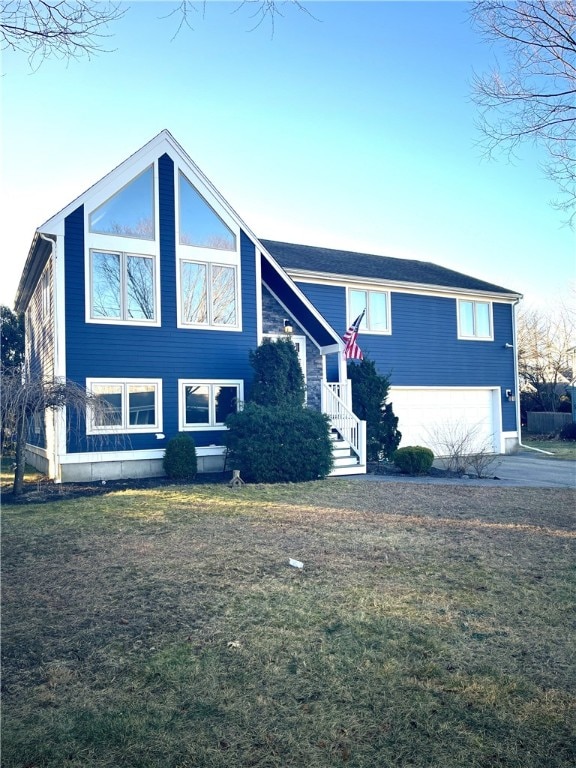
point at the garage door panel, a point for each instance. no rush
(437, 417)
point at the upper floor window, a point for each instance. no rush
(377, 306)
(125, 405)
(130, 212)
(200, 225)
(208, 294)
(206, 404)
(122, 287)
(474, 319)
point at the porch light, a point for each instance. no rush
(288, 327)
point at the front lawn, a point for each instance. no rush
(562, 449)
(165, 628)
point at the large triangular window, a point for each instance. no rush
(130, 212)
(200, 225)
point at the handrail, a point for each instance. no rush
(343, 420)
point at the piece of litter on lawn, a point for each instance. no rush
(295, 563)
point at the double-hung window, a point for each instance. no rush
(475, 320)
(206, 404)
(129, 405)
(122, 286)
(377, 305)
(208, 294)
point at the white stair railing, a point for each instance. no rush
(350, 427)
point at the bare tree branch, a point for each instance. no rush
(64, 29)
(532, 98)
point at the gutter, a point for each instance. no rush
(518, 416)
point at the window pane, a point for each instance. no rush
(130, 212)
(105, 284)
(466, 318)
(197, 404)
(223, 295)
(108, 408)
(357, 305)
(194, 304)
(482, 319)
(377, 311)
(140, 287)
(199, 224)
(226, 398)
(142, 404)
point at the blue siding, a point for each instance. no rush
(424, 349)
(167, 353)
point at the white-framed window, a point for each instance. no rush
(129, 212)
(208, 294)
(377, 305)
(122, 287)
(205, 404)
(475, 320)
(124, 405)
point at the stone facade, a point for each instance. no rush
(273, 316)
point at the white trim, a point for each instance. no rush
(156, 322)
(133, 455)
(126, 428)
(366, 288)
(182, 425)
(237, 285)
(474, 302)
(325, 278)
(258, 274)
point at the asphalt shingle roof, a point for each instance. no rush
(371, 266)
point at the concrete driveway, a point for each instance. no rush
(525, 469)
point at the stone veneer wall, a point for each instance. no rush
(273, 322)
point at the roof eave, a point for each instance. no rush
(298, 273)
(38, 255)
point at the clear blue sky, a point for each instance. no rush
(353, 130)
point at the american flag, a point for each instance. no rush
(351, 350)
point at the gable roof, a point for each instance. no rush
(349, 264)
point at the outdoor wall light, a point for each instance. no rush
(288, 327)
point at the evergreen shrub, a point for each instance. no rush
(279, 444)
(180, 461)
(369, 394)
(413, 460)
(568, 431)
(278, 378)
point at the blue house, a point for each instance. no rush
(151, 291)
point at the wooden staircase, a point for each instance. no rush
(348, 433)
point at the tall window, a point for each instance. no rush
(377, 306)
(122, 286)
(206, 404)
(475, 319)
(130, 212)
(125, 406)
(200, 225)
(208, 294)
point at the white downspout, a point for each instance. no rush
(517, 378)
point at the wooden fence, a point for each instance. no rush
(547, 422)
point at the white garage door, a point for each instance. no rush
(437, 417)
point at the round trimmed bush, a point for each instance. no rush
(413, 459)
(180, 462)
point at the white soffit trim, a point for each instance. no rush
(325, 278)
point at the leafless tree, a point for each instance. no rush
(532, 97)
(65, 29)
(545, 357)
(69, 29)
(25, 402)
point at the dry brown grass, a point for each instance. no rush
(430, 626)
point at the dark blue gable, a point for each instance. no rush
(169, 353)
